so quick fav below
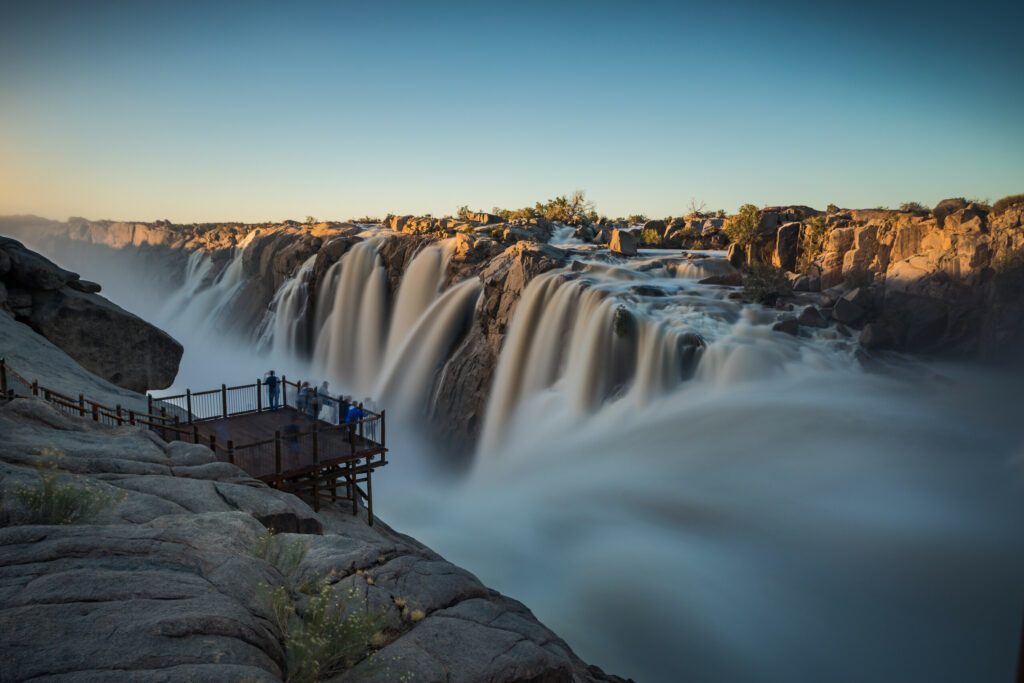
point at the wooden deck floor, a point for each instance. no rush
(256, 450)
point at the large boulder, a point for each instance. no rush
(106, 339)
(787, 241)
(483, 217)
(29, 270)
(847, 312)
(623, 243)
(946, 207)
(736, 255)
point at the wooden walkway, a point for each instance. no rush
(283, 446)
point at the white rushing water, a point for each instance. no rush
(677, 490)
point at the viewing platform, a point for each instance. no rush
(287, 446)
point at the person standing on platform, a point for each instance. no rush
(273, 389)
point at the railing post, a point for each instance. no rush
(35, 387)
(355, 489)
(213, 443)
(131, 417)
(383, 427)
(316, 472)
(259, 395)
(81, 405)
(362, 418)
(188, 404)
(149, 403)
(277, 452)
(369, 491)
(231, 451)
(46, 394)
(224, 399)
(117, 413)
(195, 433)
(316, 445)
(284, 391)
(95, 413)
(3, 376)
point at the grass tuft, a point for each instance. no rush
(54, 500)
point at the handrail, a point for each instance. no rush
(244, 399)
(81, 405)
(364, 427)
(282, 461)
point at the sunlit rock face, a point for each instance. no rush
(946, 281)
(104, 338)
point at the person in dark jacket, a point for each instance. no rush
(273, 389)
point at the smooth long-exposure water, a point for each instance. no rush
(677, 490)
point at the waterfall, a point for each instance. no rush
(284, 327)
(364, 349)
(410, 373)
(206, 305)
(349, 341)
(197, 269)
(421, 285)
(566, 332)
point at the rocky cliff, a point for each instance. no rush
(167, 580)
(933, 281)
(104, 338)
(946, 280)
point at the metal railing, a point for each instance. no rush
(14, 384)
(218, 404)
(354, 436)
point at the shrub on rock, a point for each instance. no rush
(764, 284)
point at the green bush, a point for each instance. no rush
(636, 219)
(52, 501)
(1006, 202)
(572, 209)
(325, 635)
(913, 207)
(284, 555)
(311, 220)
(742, 228)
(651, 237)
(764, 284)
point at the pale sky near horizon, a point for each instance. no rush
(267, 111)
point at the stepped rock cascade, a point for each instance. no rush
(588, 336)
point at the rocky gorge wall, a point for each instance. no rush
(167, 581)
(942, 281)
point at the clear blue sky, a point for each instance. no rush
(247, 111)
